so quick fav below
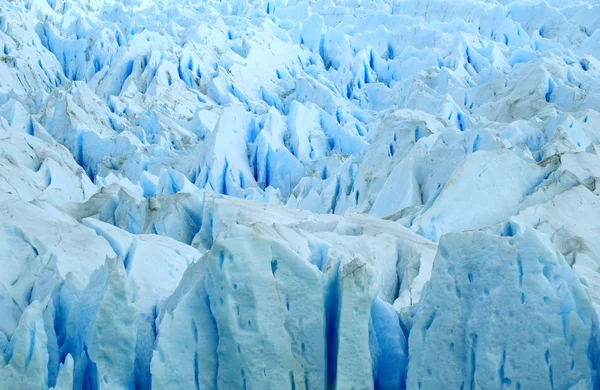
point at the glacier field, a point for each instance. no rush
(299, 194)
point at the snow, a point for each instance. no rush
(299, 194)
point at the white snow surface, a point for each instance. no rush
(294, 194)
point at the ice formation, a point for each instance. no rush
(293, 194)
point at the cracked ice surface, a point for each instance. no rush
(296, 194)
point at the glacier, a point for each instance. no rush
(299, 194)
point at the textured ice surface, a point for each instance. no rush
(251, 193)
(501, 312)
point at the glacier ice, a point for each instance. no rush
(501, 311)
(299, 194)
(27, 352)
(283, 321)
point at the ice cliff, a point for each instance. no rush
(290, 194)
